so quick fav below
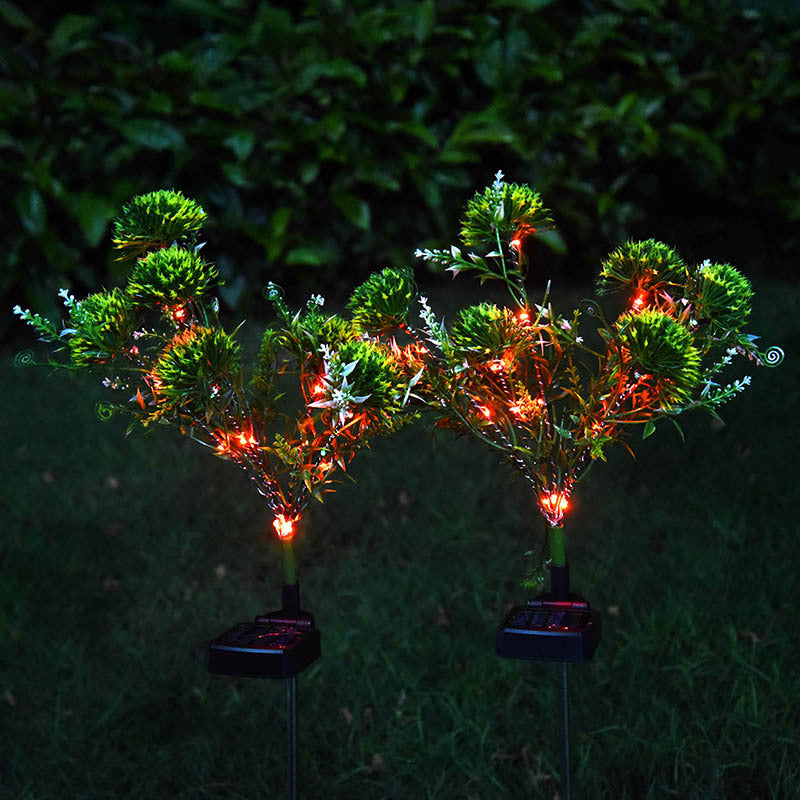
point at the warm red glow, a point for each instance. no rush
(318, 388)
(497, 365)
(515, 243)
(179, 313)
(246, 439)
(486, 411)
(284, 527)
(554, 502)
(523, 316)
(515, 409)
(134, 350)
(639, 301)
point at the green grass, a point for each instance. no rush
(120, 557)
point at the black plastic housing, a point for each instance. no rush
(280, 644)
(550, 630)
(558, 626)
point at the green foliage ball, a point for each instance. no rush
(169, 277)
(157, 218)
(721, 296)
(640, 265)
(663, 347)
(102, 323)
(381, 302)
(507, 209)
(192, 369)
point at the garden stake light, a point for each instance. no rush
(551, 398)
(158, 344)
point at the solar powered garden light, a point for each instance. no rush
(321, 388)
(551, 393)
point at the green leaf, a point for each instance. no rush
(354, 208)
(238, 174)
(426, 17)
(280, 221)
(678, 427)
(32, 211)
(93, 214)
(524, 5)
(337, 69)
(155, 134)
(241, 142)
(72, 32)
(649, 429)
(310, 255)
(552, 239)
(416, 129)
(14, 17)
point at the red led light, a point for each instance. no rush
(284, 527)
(486, 411)
(246, 439)
(639, 301)
(524, 316)
(555, 502)
(515, 243)
(179, 314)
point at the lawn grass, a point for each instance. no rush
(121, 557)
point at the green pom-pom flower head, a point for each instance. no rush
(99, 326)
(484, 331)
(170, 277)
(382, 302)
(328, 329)
(721, 296)
(361, 380)
(640, 265)
(660, 346)
(156, 219)
(509, 209)
(376, 375)
(196, 370)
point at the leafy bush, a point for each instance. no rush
(321, 135)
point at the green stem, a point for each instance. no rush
(288, 562)
(558, 555)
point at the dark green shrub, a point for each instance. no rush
(320, 137)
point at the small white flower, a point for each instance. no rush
(69, 300)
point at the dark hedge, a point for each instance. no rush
(326, 139)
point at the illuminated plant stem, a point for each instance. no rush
(558, 555)
(288, 562)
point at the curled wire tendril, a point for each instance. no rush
(24, 358)
(105, 410)
(591, 307)
(773, 356)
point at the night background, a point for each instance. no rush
(326, 140)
